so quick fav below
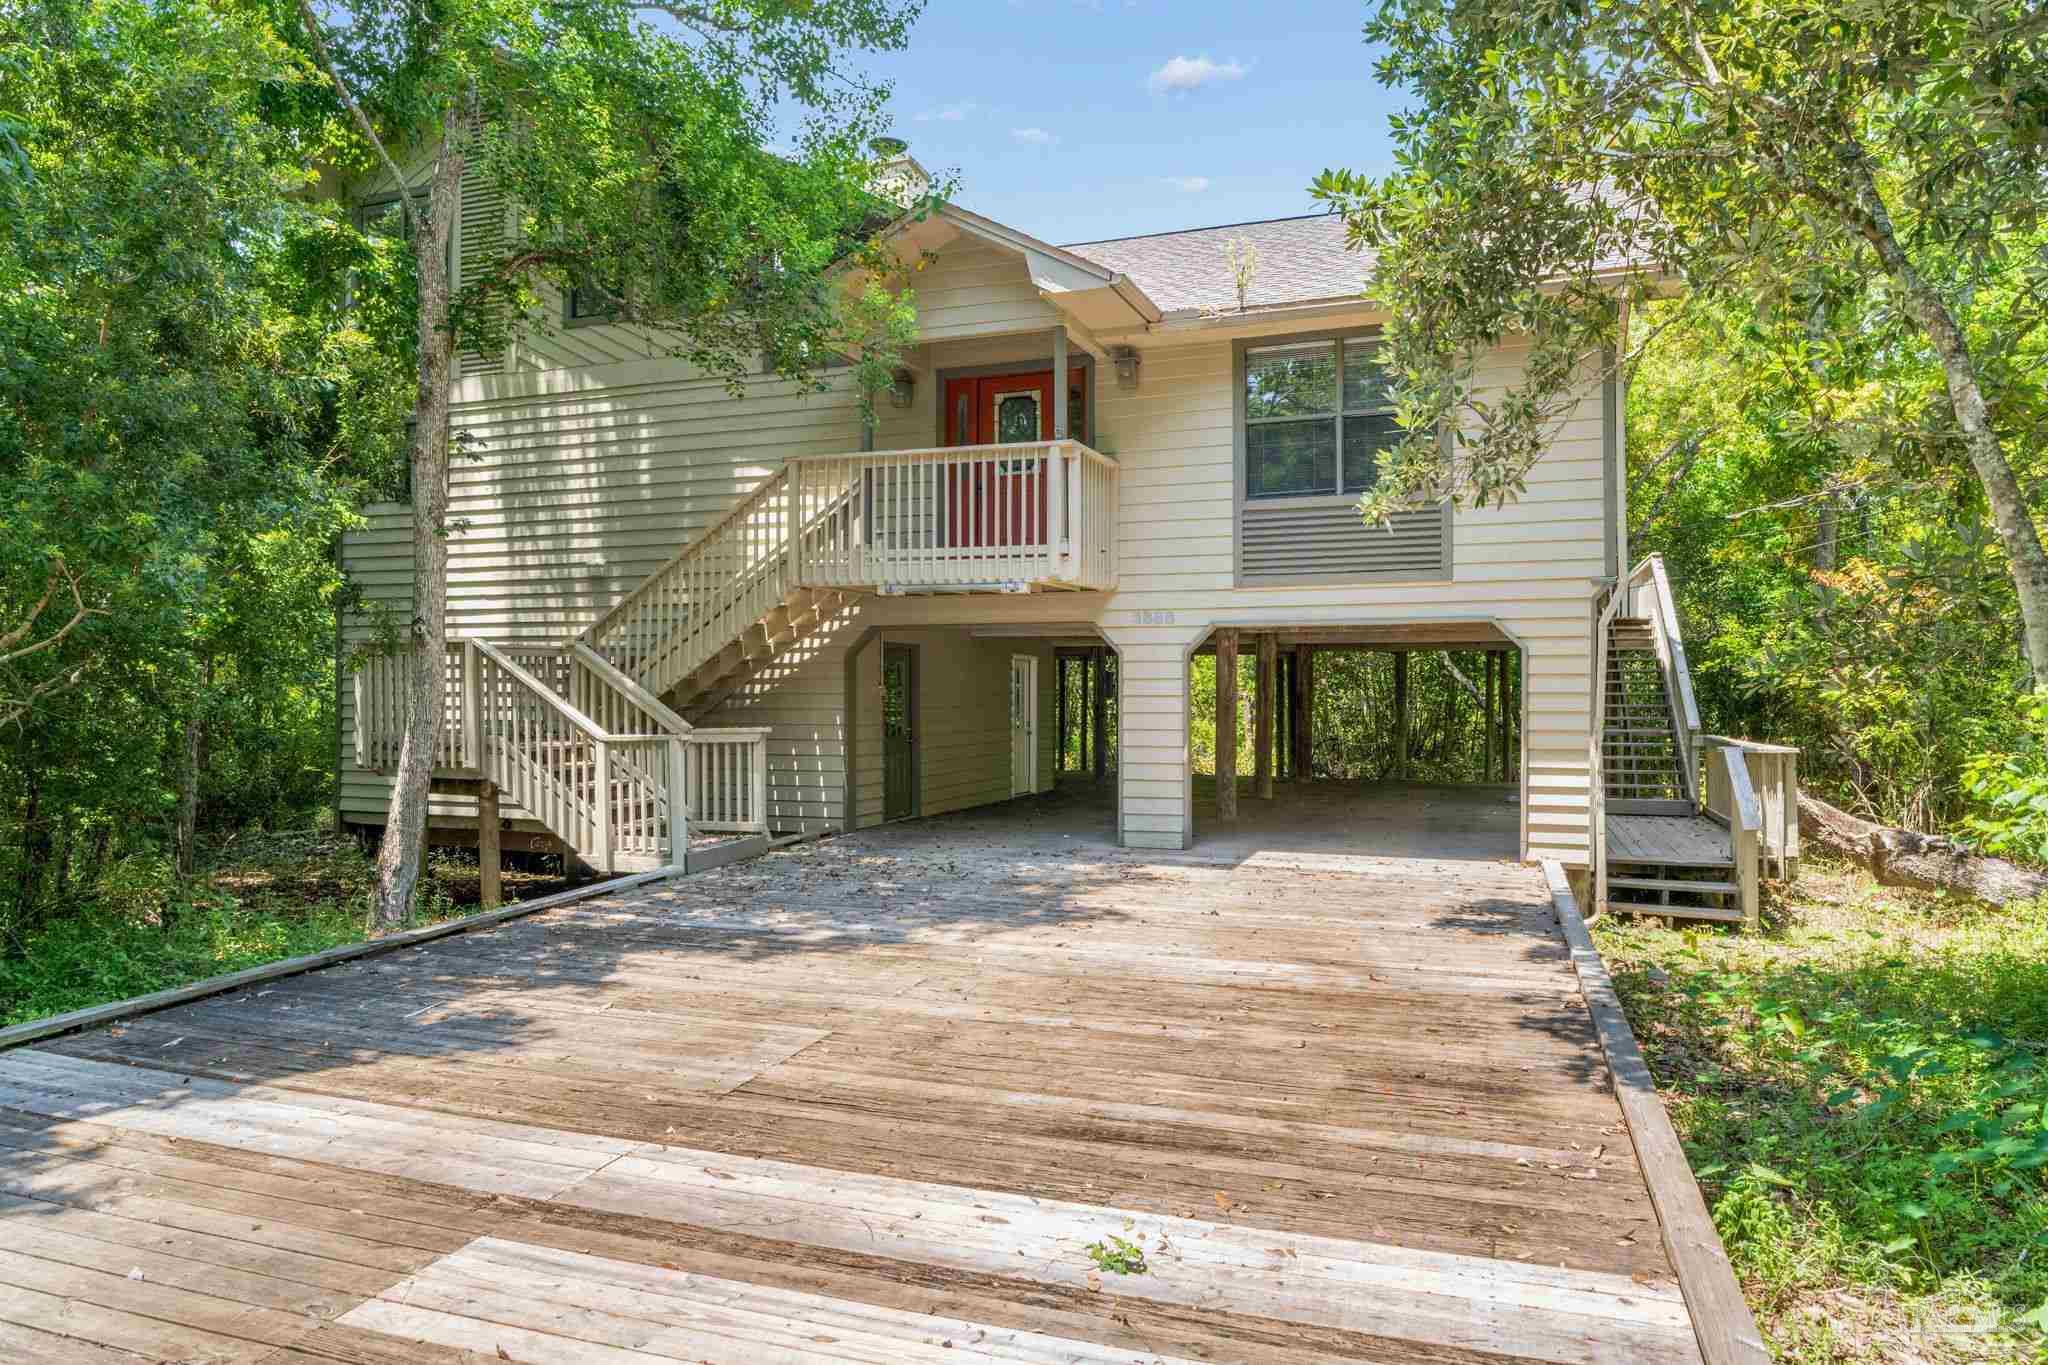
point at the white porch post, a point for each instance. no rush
(601, 808)
(678, 801)
(472, 707)
(1061, 545)
(1059, 384)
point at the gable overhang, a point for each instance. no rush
(1090, 295)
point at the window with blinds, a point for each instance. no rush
(1314, 416)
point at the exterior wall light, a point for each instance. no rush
(902, 389)
(1125, 358)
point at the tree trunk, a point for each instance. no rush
(405, 826)
(35, 849)
(2009, 512)
(191, 747)
(187, 831)
(1899, 857)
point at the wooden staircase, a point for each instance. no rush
(725, 607)
(598, 737)
(1639, 745)
(799, 617)
(1662, 853)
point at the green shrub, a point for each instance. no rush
(2009, 792)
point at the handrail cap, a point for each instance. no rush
(1753, 746)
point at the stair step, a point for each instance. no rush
(1718, 914)
(1673, 884)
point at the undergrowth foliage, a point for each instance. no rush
(140, 928)
(1862, 1095)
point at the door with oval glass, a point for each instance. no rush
(1001, 501)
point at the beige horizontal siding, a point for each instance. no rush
(962, 721)
(590, 476)
(1530, 566)
(579, 489)
(975, 291)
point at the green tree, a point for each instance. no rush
(1560, 159)
(1840, 582)
(166, 506)
(638, 162)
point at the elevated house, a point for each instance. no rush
(681, 610)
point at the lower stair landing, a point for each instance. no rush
(1677, 865)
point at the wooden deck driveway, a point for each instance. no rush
(874, 1099)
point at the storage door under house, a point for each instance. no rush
(899, 745)
(1023, 724)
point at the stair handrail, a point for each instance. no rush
(1773, 773)
(691, 546)
(672, 577)
(1671, 653)
(610, 758)
(1669, 644)
(658, 712)
(547, 694)
(1732, 801)
(1603, 632)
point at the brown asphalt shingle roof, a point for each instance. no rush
(1299, 260)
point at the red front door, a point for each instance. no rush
(998, 500)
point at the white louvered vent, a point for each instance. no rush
(1327, 542)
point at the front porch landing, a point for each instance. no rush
(884, 1097)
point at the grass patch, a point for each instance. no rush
(1861, 1091)
(258, 899)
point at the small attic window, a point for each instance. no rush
(585, 304)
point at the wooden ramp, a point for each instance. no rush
(883, 1098)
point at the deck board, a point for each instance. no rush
(859, 1099)
(1678, 840)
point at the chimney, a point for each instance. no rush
(899, 177)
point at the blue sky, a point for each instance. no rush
(1074, 121)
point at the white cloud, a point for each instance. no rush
(1191, 73)
(1188, 184)
(1033, 137)
(952, 113)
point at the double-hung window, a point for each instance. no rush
(1317, 414)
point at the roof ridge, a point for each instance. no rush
(1213, 227)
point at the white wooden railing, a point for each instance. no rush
(1596, 757)
(380, 684)
(1772, 773)
(690, 608)
(728, 780)
(952, 517)
(576, 745)
(1732, 803)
